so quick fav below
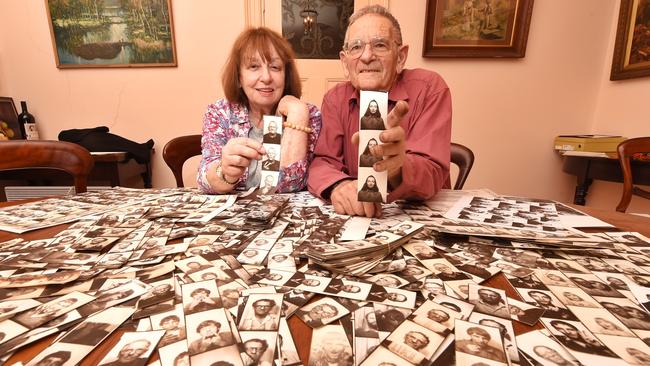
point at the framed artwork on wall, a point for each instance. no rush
(632, 48)
(477, 28)
(316, 28)
(9, 127)
(112, 33)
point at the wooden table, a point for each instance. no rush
(588, 168)
(111, 168)
(301, 332)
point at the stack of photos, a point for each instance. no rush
(372, 186)
(209, 281)
(271, 141)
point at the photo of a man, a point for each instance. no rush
(264, 317)
(211, 337)
(490, 302)
(131, 354)
(476, 342)
(272, 137)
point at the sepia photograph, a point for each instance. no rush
(261, 312)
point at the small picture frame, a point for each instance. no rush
(9, 126)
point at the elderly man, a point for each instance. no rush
(416, 144)
(132, 354)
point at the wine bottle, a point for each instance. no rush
(27, 123)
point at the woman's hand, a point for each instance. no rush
(295, 110)
(236, 156)
(294, 142)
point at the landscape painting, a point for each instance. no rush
(112, 33)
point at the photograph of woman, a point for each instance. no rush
(366, 159)
(372, 120)
(370, 192)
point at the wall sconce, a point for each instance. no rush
(309, 16)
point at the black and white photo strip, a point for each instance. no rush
(270, 163)
(372, 186)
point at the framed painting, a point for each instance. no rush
(112, 33)
(316, 28)
(632, 48)
(9, 127)
(477, 28)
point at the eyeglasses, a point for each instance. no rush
(378, 45)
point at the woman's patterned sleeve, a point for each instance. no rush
(213, 140)
(293, 178)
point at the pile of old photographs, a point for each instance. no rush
(213, 280)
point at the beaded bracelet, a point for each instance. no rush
(296, 127)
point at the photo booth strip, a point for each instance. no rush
(270, 163)
(372, 186)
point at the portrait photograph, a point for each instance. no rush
(489, 300)
(269, 178)
(553, 278)
(313, 283)
(272, 130)
(208, 330)
(368, 140)
(195, 263)
(133, 348)
(373, 111)
(601, 321)
(372, 186)
(330, 345)
(365, 323)
(229, 355)
(455, 304)
(257, 347)
(173, 323)
(414, 342)
(573, 296)
(544, 350)
(60, 354)
(578, 340)
(439, 314)
(479, 340)
(506, 330)
(261, 312)
(321, 312)
(200, 296)
(160, 291)
(271, 161)
(631, 349)
(524, 312)
(252, 256)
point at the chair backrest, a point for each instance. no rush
(625, 151)
(463, 157)
(66, 156)
(177, 151)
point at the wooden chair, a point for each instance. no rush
(463, 157)
(177, 151)
(625, 151)
(66, 156)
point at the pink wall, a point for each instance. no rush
(507, 110)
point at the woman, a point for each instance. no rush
(260, 78)
(372, 120)
(370, 192)
(367, 160)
